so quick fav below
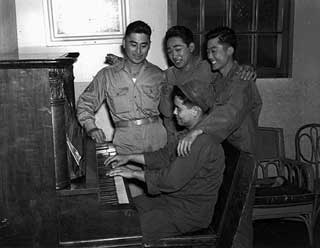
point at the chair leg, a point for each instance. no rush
(316, 228)
(309, 222)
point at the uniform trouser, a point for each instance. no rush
(139, 139)
(155, 221)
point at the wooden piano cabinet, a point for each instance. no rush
(35, 93)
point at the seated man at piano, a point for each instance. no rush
(181, 191)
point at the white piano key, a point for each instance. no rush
(121, 190)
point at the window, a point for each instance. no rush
(264, 29)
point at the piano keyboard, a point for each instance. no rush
(113, 191)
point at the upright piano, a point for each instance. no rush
(49, 181)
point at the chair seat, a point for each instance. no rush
(286, 194)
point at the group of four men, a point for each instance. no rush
(212, 99)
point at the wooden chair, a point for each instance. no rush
(307, 144)
(237, 184)
(284, 187)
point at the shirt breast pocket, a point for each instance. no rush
(151, 91)
(119, 100)
(151, 97)
(222, 99)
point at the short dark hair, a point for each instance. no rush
(179, 31)
(225, 35)
(139, 27)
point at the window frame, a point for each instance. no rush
(284, 58)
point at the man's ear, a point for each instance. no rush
(196, 110)
(230, 51)
(192, 46)
(123, 43)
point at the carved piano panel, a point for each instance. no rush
(36, 108)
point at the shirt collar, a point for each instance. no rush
(122, 65)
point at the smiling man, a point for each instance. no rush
(131, 89)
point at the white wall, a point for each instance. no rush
(31, 29)
(32, 35)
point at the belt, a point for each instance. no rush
(136, 122)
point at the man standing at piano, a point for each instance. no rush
(131, 89)
(182, 190)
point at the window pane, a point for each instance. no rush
(241, 15)
(268, 15)
(215, 14)
(263, 27)
(268, 48)
(189, 14)
(243, 52)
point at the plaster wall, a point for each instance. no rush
(289, 103)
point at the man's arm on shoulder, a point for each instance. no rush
(226, 117)
(182, 169)
(223, 119)
(160, 158)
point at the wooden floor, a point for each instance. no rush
(268, 234)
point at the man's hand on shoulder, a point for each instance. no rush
(247, 72)
(112, 59)
(184, 145)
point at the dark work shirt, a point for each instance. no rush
(190, 184)
(236, 111)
